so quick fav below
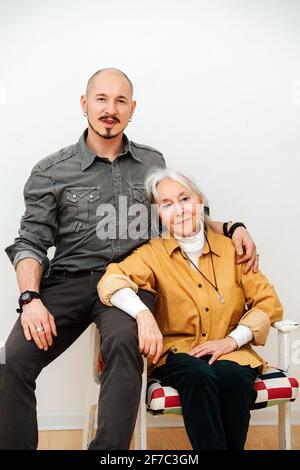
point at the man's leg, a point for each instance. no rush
(121, 377)
(24, 362)
(198, 388)
(237, 395)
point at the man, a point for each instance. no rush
(63, 196)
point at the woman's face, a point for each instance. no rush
(180, 209)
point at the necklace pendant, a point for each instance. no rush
(221, 300)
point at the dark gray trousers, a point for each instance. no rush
(75, 304)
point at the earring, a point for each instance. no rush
(85, 114)
(130, 119)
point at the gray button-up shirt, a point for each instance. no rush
(68, 199)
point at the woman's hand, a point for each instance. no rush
(245, 249)
(150, 337)
(216, 348)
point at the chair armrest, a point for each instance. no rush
(286, 326)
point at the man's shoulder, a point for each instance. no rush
(56, 158)
(145, 148)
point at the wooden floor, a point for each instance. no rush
(259, 438)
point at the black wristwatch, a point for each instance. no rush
(27, 297)
(230, 232)
(234, 227)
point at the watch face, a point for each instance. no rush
(26, 296)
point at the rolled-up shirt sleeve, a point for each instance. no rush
(38, 227)
(264, 306)
(132, 272)
(26, 254)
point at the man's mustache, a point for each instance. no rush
(108, 116)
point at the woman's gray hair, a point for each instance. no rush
(151, 182)
(160, 174)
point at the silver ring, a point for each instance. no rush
(39, 328)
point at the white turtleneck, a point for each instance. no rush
(192, 246)
(128, 301)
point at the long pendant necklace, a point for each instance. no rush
(215, 285)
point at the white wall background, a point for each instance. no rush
(218, 91)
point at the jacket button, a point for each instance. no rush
(199, 285)
(207, 309)
(203, 334)
(174, 349)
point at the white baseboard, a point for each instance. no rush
(60, 421)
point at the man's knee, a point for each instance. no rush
(119, 348)
(120, 337)
(126, 334)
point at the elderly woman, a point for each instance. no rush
(208, 312)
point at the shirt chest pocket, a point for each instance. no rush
(81, 205)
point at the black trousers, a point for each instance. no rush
(215, 399)
(75, 305)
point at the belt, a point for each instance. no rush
(75, 274)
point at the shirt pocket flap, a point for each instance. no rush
(74, 195)
(139, 192)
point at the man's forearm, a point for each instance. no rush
(217, 227)
(29, 273)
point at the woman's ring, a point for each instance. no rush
(39, 328)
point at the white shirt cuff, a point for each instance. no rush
(242, 335)
(128, 301)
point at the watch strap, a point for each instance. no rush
(33, 295)
(234, 227)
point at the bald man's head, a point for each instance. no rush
(111, 71)
(108, 103)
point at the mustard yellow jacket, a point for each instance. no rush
(188, 311)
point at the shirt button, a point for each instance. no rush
(91, 196)
(203, 334)
(207, 309)
(199, 285)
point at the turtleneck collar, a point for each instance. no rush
(193, 243)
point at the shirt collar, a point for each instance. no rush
(87, 157)
(171, 244)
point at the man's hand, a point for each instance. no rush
(38, 324)
(150, 337)
(245, 249)
(216, 348)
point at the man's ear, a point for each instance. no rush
(133, 106)
(83, 102)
